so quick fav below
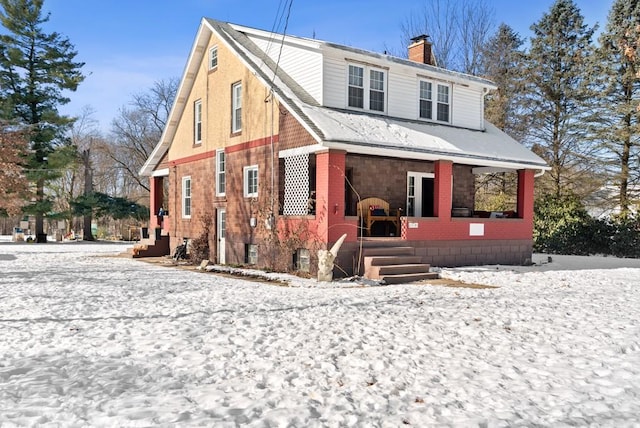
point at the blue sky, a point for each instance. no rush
(127, 45)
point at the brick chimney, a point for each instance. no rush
(420, 50)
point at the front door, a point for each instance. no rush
(221, 231)
(420, 194)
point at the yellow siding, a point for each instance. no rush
(214, 89)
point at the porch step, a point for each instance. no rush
(388, 251)
(390, 260)
(156, 246)
(409, 277)
(399, 269)
(395, 265)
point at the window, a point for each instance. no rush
(213, 58)
(302, 260)
(251, 181)
(365, 77)
(220, 170)
(236, 107)
(426, 100)
(430, 102)
(443, 103)
(376, 90)
(186, 197)
(251, 254)
(197, 122)
(356, 86)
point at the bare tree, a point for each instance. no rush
(135, 132)
(458, 30)
(15, 186)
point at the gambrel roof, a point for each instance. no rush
(352, 131)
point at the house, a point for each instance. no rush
(276, 144)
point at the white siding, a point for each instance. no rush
(403, 95)
(335, 81)
(303, 64)
(467, 107)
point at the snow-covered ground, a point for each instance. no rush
(87, 339)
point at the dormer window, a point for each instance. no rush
(356, 86)
(434, 100)
(361, 77)
(213, 58)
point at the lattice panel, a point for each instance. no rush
(296, 185)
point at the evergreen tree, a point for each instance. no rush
(557, 99)
(617, 118)
(502, 61)
(35, 68)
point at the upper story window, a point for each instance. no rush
(220, 173)
(197, 122)
(356, 86)
(186, 197)
(251, 181)
(438, 102)
(213, 58)
(361, 77)
(236, 107)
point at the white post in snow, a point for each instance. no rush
(326, 258)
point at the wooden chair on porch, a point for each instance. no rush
(372, 210)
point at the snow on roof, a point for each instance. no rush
(419, 139)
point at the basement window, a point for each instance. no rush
(251, 254)
(302, 260)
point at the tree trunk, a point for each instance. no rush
(41, 237)
(88, 189)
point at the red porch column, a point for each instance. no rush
(442, 189)
(330, 167)
(525, 194)
(155, 201)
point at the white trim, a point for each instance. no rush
(366, 88)
(184, 198)
(399, 153)
(211, 50)
(236, 104)
(160, 172)
(488, 170)
(197, 121)
(304, 150)
(218, 172)
(245, 182)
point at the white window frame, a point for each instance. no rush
(367, 84)
(197, 122)
(236, 107)
(221, 181)
(186, 197)
(250, 188)
(435, 100)
(213, 58)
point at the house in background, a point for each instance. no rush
(279, 145)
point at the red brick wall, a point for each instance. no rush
(292, 134)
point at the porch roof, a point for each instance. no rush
(371, 134)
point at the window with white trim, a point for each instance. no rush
(197, 122)
(443, 103)
(434, 101)
(361, 77)
(213, 57)
(186, 197)
(251, 181)
(356, 86)
(236, 107)
(220, 173)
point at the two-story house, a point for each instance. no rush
(281, 144)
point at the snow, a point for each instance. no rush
(90, 339)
